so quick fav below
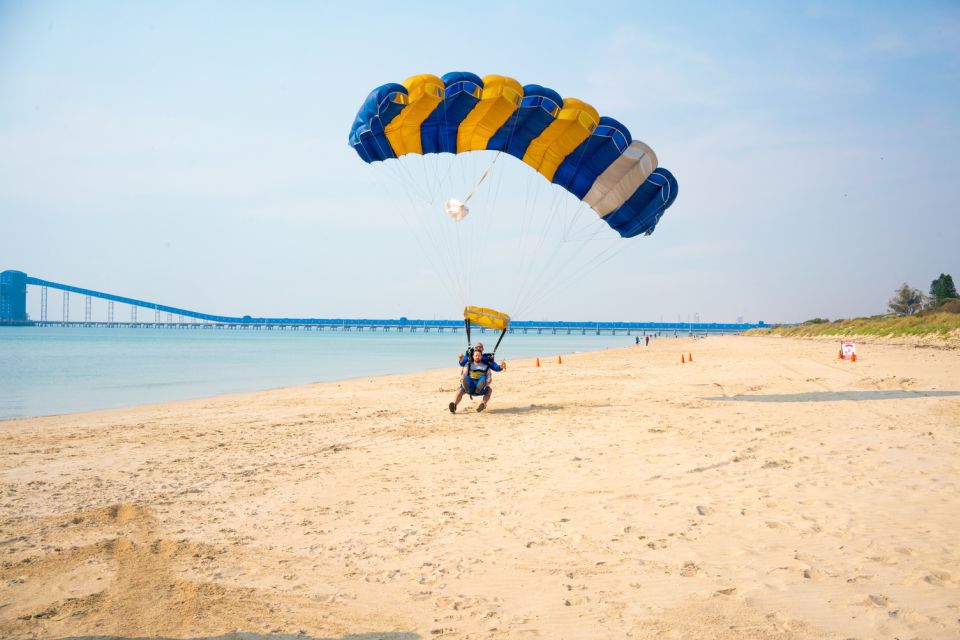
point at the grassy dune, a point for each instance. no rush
(943, 323)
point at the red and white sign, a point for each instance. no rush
(848, 350)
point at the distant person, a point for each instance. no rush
(637, 338)
(648, 341)
(475, 379)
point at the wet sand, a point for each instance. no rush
(764, 490)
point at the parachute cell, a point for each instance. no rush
(580, 170)
(461, 94)
(538, 108)
(424, 93)
(501, 97)
(643, 210)
(367, 134)
(575, 122)
(621, 179)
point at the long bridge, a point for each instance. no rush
(13, 311)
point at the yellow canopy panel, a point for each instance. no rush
(486, 318)
(574, 124)
(425, 92)
(500, 98)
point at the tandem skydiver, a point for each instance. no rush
(475, 378)
(468, 355)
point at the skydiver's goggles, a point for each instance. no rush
(548, 105)
(606, 131)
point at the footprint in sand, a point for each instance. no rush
(938, 578)
(812, 574)
(878, 600)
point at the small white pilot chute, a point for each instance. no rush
(456, 209)
(459, 210)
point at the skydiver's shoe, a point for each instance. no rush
(481, 407)
(453, 407)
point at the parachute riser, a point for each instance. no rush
(497, 346)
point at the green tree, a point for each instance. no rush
(942, 289)
(907, 300)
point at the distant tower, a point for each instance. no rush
(13, 296)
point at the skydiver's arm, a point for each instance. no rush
(495, 366)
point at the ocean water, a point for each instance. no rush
(53, 370)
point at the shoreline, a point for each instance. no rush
(764, 491)
(230, 364)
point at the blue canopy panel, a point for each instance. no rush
(538, 108)
(438, 133)
(643, 210)
(580, 169)
(381, 106)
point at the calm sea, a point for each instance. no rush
(51, 370)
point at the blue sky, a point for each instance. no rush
(194, 153)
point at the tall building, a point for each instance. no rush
(13, 296)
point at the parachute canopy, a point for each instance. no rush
(488, 318)
(566, 140)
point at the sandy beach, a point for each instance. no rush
(765, 490)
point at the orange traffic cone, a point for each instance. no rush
(840, 355)
(559, 360)
(690, 358)
(682, 361)
(538, 362)
(853, 358)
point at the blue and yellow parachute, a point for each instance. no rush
(564, 139)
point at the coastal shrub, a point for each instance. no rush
(906, 300)
(950, 306)
(942, 289)
(947, 306)
(817, 321)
